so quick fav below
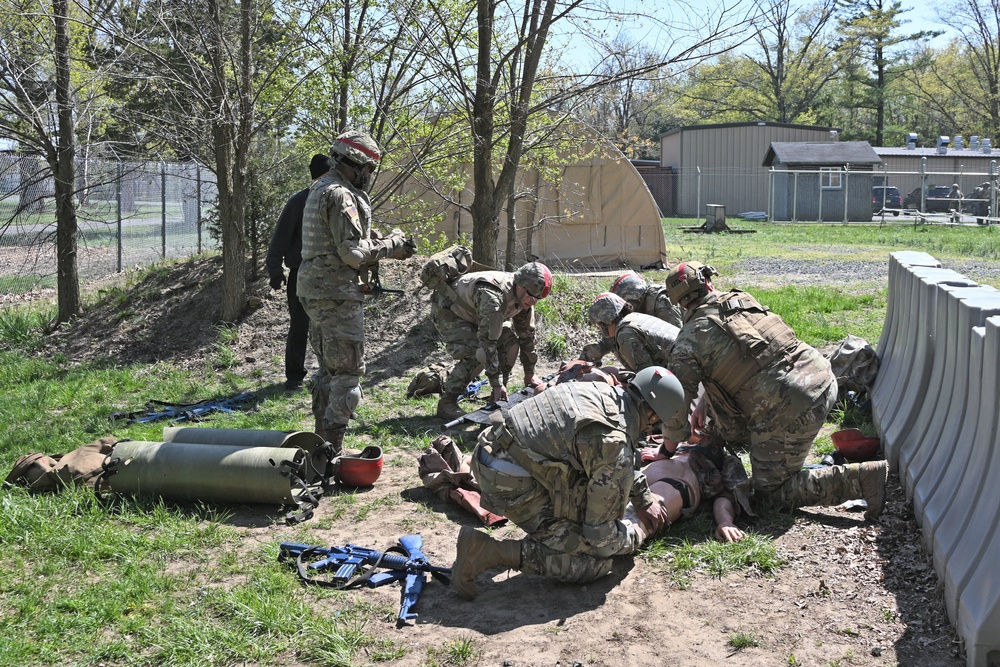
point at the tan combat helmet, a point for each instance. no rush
(689, 281)
(356, 147)
(607, 309)
(535, 278)
(660, 389)
(630, 286)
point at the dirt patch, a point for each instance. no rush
(851, 593)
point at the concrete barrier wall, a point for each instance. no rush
(937, 409)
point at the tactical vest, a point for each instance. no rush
(657, 336)
(465, 288)
(762, 338)
(546, 426)
(318, 237)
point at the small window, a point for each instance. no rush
(830, 178)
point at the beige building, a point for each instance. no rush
(598, 213)
(722, 163)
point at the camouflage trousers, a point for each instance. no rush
(461, 339)
(554, 545)
(337, 335)
(779, 450)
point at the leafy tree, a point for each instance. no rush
(873, 42)
(44, 82)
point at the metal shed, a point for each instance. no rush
(720, 164)
(821, 181)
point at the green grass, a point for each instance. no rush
(739, 641)
(687, 548)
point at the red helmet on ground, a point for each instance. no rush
(360, 469)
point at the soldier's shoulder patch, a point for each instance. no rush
(352, 213)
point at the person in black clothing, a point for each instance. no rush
(286, 244)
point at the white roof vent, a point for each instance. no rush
(834, 135)
(974, 142)
(959, 142)
(911, 141)
(986, 145)
(942, 144)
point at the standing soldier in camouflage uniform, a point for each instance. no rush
(753, 367)
(637, 340)
(338, 255)
(646, 299)
(470, 312)
(561, 467)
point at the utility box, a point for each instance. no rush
(715, 219)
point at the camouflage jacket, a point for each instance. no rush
(703, 353)
(578, 440)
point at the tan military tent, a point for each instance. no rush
(601, 214)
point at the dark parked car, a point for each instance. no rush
(936, 199)
(887, 198)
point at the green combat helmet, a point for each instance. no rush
(535, 278)
(660, 389)
(607, 309)
(630, 286)
(356, 147)
(689, 281)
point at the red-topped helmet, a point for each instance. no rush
(630, 286)
(535, 278)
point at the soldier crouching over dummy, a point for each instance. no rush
(637, 340)
(645, 299)
(753, 367)
(560, 465)
(469, 314)
(338, 254)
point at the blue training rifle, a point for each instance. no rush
(353, 566)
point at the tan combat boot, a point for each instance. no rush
(334, 434)
(448, 408)
(873, 476)
(478, 552)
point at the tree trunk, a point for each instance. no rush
(485, 209)
(68, 277)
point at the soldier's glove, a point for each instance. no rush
(591, 352)
(277, 280)
(402, 247)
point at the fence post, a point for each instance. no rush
(163, 209)
(118, 200)
(819, 213)
(993, 192)
(795, 196)
(770, 194)
(198, 195)
(847, 191)
(698, 202)
(923, 185)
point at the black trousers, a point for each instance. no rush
(298, 332)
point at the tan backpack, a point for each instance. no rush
(445, 266)
(80, 467)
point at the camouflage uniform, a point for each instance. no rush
(641, 341)
(469, 314)
(653, 303)
(337, 252)
(782, 388)
(560, 466)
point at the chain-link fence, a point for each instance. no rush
(930, 193)
(128, 213)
